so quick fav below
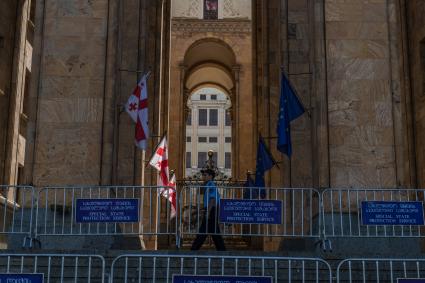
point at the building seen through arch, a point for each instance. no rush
(208, 127)
(214, 51)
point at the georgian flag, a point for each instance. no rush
(137, 108)
(170, 194)
(159, 161)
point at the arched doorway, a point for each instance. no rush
(209, 86)
(220, 61)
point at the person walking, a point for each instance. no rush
(210, 225)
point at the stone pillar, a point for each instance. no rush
(220, 138)
(320, 101)
(184, 96)
(360, 101)
(236, 141)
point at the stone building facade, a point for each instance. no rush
(357, 65)
(16, 48)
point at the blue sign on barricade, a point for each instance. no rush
(250, 211)
(107, 210)
(21, 278)
(392, 213)
(220, 279)
(410, 280)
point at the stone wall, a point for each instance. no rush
(345, 59)
(285, 44)
(361, 118)
(88, 57)
(7, 39)
(68, 147)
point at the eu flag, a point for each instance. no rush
(290, 109)
(265, 162)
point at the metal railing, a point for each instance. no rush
(341, 212)
(161, 268)
(56, 267)
(17, 210)
(151, 267)
(299, 215)
(56, 212)
(305, 212)
(379, 270)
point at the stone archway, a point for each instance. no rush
(208, 59)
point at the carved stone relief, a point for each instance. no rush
(194, 10)
(229, 10)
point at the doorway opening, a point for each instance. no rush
(208, 128)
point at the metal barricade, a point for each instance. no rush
(341, 212)
(55, 267)
(56, 212)
(299, 216)
(16, 210)
(161, 268)
(379, 270)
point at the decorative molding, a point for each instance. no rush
(194, 10)
(222, 26)
(229, 11)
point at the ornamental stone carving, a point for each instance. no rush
(229, 10)
(230, 26)
(194, 10)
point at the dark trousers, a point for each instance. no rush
(213, 229)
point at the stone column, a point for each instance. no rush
(236, 142)
(184, 95)
(320, 102)
(220, 138)
(195, 121)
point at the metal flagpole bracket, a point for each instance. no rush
(147, 74)
(130, 71)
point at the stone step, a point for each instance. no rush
(231, 243)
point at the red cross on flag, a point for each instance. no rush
(137, 108)
(159, 161)
(170, 194)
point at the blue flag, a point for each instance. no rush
(290, 109)
(265, 162)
